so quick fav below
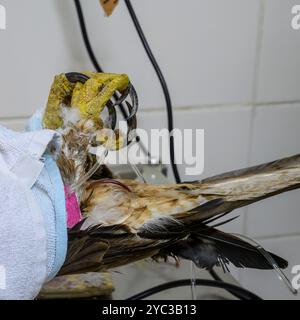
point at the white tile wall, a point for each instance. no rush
(219, 58)
(278, 75)
(33, 50)
(226, 140)
(266, 283)
(144, 275)
(197, 42)
(226, 134)
(275, 132)
(207, 60)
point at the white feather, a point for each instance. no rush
(70, 115)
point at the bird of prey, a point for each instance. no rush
(124, 220)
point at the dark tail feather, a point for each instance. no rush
(215, 248)
(84, 255)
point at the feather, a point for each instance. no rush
(208, 247)
(125, 221)
(84, 255)
(138, 221)
(70, 115)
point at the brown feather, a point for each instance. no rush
(143, 221)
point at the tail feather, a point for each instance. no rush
(243, 187)
(173, 220)
(255, 182)
(211, 248)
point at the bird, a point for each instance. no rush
(124, 221)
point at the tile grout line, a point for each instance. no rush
(223, 106)
(275, 103)
(259, 45)
(2, 119)
(257, 63)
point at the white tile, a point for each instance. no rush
(33, 49)
(275, 135)
(226, 135)
(135, 278)
(17, 125)
(279, 73)
(206, 48)
(226, 141)
(275, 216)
(141, 276)
(264, 282)
(226, 144)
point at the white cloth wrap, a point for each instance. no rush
(23, 238)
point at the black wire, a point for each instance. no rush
(165, 90)
(242, 293)
(86, 37)
(162, 82)
(97, 66)
(89, 48)
(216, 277)
(164, 87)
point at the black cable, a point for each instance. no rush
(97, 66)
(86, 37)
(162, 82)
(242, 293)
(216, 277)
(164, 87)
(161, 79)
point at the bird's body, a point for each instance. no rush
(136, 204)
(133, 221)
(124, 220)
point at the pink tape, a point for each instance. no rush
(72, 206)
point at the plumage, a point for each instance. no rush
(124, 220)
(139, 221)
(211, 247)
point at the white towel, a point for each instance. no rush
(23, 234)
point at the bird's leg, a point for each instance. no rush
(90, 93)
(92, 97)
(60, 93)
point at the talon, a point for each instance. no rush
(135, 102)
(131, 124)
(122, 97)
(76, 77)
(112, 120)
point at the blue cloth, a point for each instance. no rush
(50, 195)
